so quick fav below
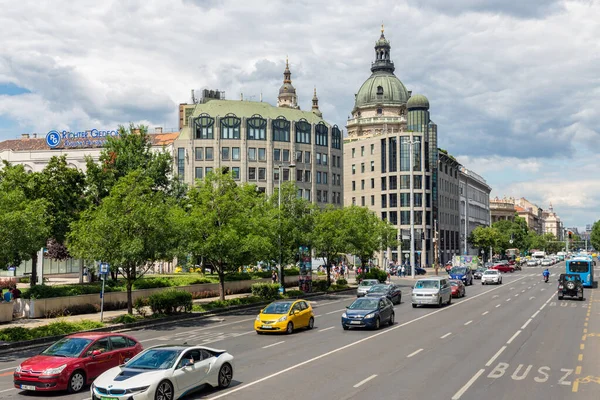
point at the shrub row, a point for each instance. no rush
(16, 334)
(170, 302)
(78, 309)
(267, 291)
(374, 273)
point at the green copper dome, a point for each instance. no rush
(417, 101)
(382, 87)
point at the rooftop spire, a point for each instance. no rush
(287, 75)
(315, 104)
(382, 55)
(382, 27)
(287, 93)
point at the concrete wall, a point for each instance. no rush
(40, 306)
(6, 312)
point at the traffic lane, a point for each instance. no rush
(587, 381)
(346, 355)
(541, 362)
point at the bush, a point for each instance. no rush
(140, 305)
(24, 279)
(268, 291)
(374, 273)
(238, 276)
(341, 282)
(170, 301)
(75, 309)
(227, 303)
(294, 293)
(320, 285)
(151, 283)
(7, 283)
(125, 319)
(19, 333)
(292, 271)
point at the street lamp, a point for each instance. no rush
(412, 142)
(281, 278)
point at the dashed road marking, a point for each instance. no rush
(491, 360)
(446, 335)
(498, 305)
(273, 344)
(335, 311)
(414, 353)
(486, 312)
(326, 329)
(513, 337)
(365, 381)
(468, 322)
(468, 385)
(526, 323)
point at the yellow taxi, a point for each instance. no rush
(285, 316)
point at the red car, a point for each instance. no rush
(75, 361)
(504, 268)
(458, 288)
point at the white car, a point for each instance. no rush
(531, 263)
(546, 262)
(165, 372)
(491, 276)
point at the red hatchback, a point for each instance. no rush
(458, 288)
(504, 268)
(75, 361)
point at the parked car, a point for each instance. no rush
(364, 286)
(285, 316)
(570, 285)
(478, 273)
(165, 372)
(458, 288)
(392, 292)
(74, 361)
(491, 276)
(463, 274)
(503, 268)
(368, 312)
(431, 291)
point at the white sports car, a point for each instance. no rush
(166, 372)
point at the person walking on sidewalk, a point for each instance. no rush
(274, 276)
(403, 270)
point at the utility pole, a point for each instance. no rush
(412, 142)
(435, 246)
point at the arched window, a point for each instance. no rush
(281, 129)
(230, 127)
(380, 90)
(203, 127)
(321, 131)
(256, 128)
(379, 111)
(336, 137)
(303, 131)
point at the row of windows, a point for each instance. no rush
(256, 129)
(448, 203)
(362, 150)
(362, 167)
(449, 219)
(448, 186)
(389, 154)
(449, 240)
(405, 200)
(392, 216)
(452, 172)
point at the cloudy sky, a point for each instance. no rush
(514, 88)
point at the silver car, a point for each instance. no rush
(431, 291)
(365, 286)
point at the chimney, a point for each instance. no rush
(25, 136)
(158, 129)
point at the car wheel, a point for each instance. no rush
(225, 375)
(164, 391)
(290, 328)
(346, 327)
(76, 382)
(440, 303)
(449, 300)
(311, 323)
(560, 297)
(377, 323)
(482, 282)
(414, 306)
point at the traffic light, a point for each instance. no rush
(570, 235)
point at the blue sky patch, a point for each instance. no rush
(11, 89)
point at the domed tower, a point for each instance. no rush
(315, 105)
(418, 113)
(287, 92)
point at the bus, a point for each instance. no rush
(584, 267)
(538, 255)
(512, 254)
(561, 255)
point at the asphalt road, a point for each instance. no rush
(511, 341)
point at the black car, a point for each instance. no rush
(368, 312)
(478, 273)
(392, 292)
(570, 285)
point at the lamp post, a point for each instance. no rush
(466, 172)
(281, 273)
(412, 142)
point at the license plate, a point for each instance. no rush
(108, 398)
(265, 327)
(28, 387)
(355, 322)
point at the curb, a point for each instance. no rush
(7, 347)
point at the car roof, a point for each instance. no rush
(374, 296)
(491, 270)
(432, 278)
(181, 347)
(94, 335)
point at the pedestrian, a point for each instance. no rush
(274, 276)
(403, 271)
(15, 292)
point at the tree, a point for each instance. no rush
(328, 235)
(226, 223)
(131, 229)
(366, 233)
(552, 244)
(24, 227)
(595, 235)
(484, 237)
(511, 230)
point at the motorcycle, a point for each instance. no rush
(546, 278)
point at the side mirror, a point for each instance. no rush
(96, 353)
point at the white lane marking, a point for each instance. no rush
(365, 381)
(325, 304)
(535, 314)
(491, 360)
(498, 305)
(468, 322)
(526, 323)
(508, 299)
(335, 311)
(494, 296)
(523, 291)
(542, 289)
(446, 335)
(326, 329)
(532, 297)
(512, 288)
(7, 369)
(529, 287)
(273, 344)
(468, 385)
(516, 294)
(337, 350)
(414, 353)
(513, 337)
(319, 315)
(7, 390)
(485, 313)
(191, 331)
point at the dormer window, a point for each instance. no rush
(379, 92)
(379, 111)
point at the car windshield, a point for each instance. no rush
(378, 288)
(155, 359)
(364, 304)
(368, 283)
(579, 266)
(67, 347)
(452, 283)
(427, 285)
(280, 307)
(458, 270)
(490, 273)
(575, 278)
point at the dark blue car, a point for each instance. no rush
(463, 274)
(368, 312)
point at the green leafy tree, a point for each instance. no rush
(24, 227)
(552, 244)
(511, 230)
(226, 223)
(484, 237)
(328, 235)
(131, 229)
(366, 233)
(595, 236)
(536, 241)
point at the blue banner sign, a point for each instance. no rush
(91, 138)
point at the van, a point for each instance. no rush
(431, 291)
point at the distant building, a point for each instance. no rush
(502, 209)
(474, 206)
(531, 213)
(552, 223)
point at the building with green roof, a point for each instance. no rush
(263, 144)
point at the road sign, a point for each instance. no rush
(511, 241)
(104, 268)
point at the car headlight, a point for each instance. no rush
(370, 315)
(344, 315)
(137, 389)
(18, 368)
(54, 371)
(284, 318)
(258, 317)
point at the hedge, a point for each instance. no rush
(170, 301)
(266, 291)
(374, 273)
(17, 334)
